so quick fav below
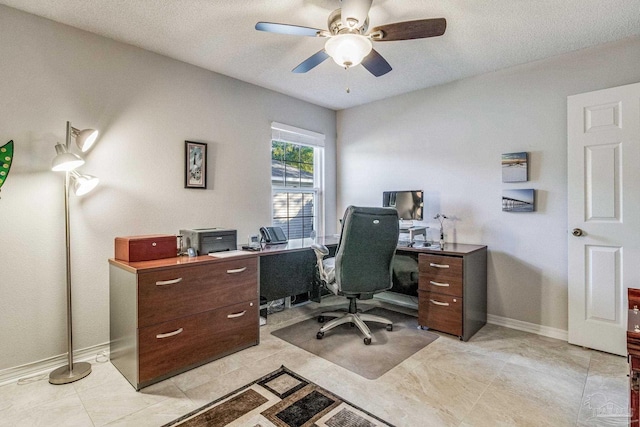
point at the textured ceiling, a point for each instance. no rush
(219, 35)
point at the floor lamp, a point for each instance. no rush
(67, 162)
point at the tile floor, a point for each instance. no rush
(501, 377)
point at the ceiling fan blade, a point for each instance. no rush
(293, 30)
(311, 62)
(409, 30)
(354, 12)
(376, 64)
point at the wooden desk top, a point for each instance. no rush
(160, 264)
(301, 244)
(297, 245)
(449, 249)
(292, 246)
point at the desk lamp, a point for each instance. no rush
(67, 162)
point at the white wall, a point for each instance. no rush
(146, 106)
(448, 141)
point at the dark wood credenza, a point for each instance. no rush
(173, 314)
(633, 354)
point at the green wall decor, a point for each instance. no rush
(6, 156)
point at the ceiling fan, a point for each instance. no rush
(348, 41)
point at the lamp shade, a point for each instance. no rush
(82, 184)
(85, 138)
(65, 161)
(348, 50)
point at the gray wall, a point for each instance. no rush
(146, 106)
(448, 141)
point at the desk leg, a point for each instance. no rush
(315, 294)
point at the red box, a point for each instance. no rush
(146, 248)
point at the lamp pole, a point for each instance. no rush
(72, 372)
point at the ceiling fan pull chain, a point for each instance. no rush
(347, 70)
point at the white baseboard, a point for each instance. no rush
(44, 366)
(545, 331)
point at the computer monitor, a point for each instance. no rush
(409, 204)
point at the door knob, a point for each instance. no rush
(577, 232)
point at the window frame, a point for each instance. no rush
(290, 134)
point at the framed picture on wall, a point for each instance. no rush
(518, 200)
(515, 167)
(195, 168)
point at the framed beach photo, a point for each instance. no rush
(519, 200)
(515, 167)
(195, 170)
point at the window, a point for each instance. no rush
(296, 180)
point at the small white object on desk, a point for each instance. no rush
(227, 254)
(414, 231)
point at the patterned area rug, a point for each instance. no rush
(344, 344)
(283, 399)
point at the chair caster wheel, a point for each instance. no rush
(389, 327)
(367, 341)
(320, 319)
(319, 335)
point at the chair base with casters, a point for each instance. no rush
(353, 317)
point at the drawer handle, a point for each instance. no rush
(432, 264)
(444, 285)
(236, 270)
(234, 315)
(445, 304)
(169, 334)
(168, 282)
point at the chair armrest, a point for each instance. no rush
(320, 250)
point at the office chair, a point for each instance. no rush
(362, 265)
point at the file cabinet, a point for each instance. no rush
(452, 289)
(171, 315)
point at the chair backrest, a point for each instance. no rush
(365, 252)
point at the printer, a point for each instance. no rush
(208, 240)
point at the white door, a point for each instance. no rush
(603, 214)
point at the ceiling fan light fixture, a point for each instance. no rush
(348, 50)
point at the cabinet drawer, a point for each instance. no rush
(184, 342)
(440, 312)
(182, 291)
(166, 347)
(231, 328)
(441, 274)
(441, 285)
